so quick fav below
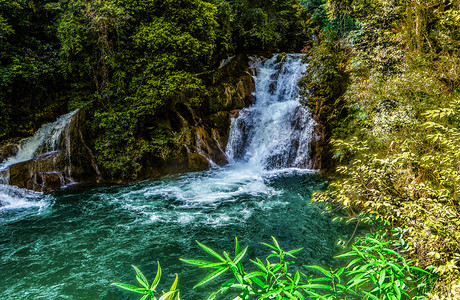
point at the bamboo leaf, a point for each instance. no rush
(275, 242)
(157, 277)
(168, 295)
(370, 296)
(327, 273)
(144, 297)
(173, 288)
(296, 277)
(141, 278)
(210, 251)
(382, 277)
(240, 256)
(237, 247)
(211, 276)
(131, 288)
(197, 262)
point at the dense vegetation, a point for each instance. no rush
(374, 271)
(129, 63)
(396, 143)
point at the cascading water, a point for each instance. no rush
(277, 130)
(81, 239)
(47, 139)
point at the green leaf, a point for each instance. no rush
(211, 276)
(317, 286)
(157, 277)
(347, 254)
(396, 268)
(210, 251)
(144, 297)
(237, 247)
(398, 291)
(290, 253)
(275, 242)
(296, 277)
(197, 262)
(141, 278)
(353, 262)
(340, 272)
(168, 295)
(327, 273)
(131, 288)
(260, 264)
(212, 296)
(258, 282)
(215, 265)
(271, 246)
(240, 256)
(382, 277)
(371, 296)
(173, 288)
(419, 269)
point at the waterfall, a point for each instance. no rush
(48, 139)
(276, 131)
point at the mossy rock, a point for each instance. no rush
(196, 162)
(281, 56)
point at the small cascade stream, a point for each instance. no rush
(48, 139)
(73, 243)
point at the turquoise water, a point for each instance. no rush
(74, 243)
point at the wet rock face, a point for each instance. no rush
(9, 148)
(208, 128)
(42, 174)
(72, 161)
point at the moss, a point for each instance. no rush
(280, 56)
(196, 162)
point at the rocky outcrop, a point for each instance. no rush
(206, 131)
(71, 162)
(318, 147)
(43, 173)
(9, 148)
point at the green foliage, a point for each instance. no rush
(401, 168)
(375, 271)
(276, 26)
(397, 157)
(322, 90)
(316, 9)
(270, 280)
(149, 290)
(32, 88)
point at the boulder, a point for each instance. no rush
(9, 148)
(42, 174)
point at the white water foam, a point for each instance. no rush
(277, 130)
